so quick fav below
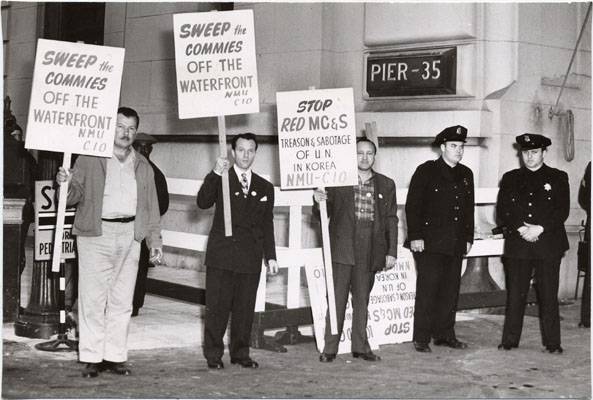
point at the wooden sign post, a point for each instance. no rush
(317, 145)
(73, 108)
(216, 73)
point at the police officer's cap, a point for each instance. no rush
(529, 141)
(144, 138)
(455, 133)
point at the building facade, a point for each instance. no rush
(510, 62)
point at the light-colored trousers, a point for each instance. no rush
(108, 266)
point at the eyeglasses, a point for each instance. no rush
(123, 128)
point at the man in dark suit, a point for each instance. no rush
(533, 203)
(143, 145)
(363, 238)
(440, 218)
(234, 263)
(585, 258)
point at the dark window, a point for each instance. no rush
(72, 22)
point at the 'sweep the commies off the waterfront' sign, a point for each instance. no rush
(74, 98)
(316, 138)
(215, 63)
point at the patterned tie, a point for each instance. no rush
(244, 184)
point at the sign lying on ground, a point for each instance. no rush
(390, 311)
(215, 63)
(316, 138)
(74, 98)
(45, 224)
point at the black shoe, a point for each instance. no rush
(507, 346)
(554, 349)
(584, 324)
(452, 343)
(135, 312)
(422, 347)
(215, 364)
(245, 362)
(370, 356)
(119, 368)
(325, 357)
(91, 370)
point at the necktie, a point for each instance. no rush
(244, 184)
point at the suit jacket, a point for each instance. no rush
(252, 221)
(162, 190)
(342, 220)
(541, 198)
(440, 207)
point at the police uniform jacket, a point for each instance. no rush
(539, 198)
(440, 207)
(342, 221)
(252, 222)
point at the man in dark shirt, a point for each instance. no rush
(533, 203)
(143, 145)
(440, 218)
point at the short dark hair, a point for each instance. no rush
(366, 140)
(246, 136)
(129, 113)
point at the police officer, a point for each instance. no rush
(533, 203)
(440, 218)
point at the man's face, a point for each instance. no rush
(453, 152)
(143, 148)
(125, 131)
(365, 156)
(244, 153)
(533, 159)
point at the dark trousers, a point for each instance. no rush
(518, 273)
(437, 292)
(585, 260)
(359, 280)
(140, 289)
(229, 292)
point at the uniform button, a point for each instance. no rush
(436, 190)
(456, 197)
(361, 210)
(368, 195)
(529, 215)
(426, 223)
(455, 218)
(529, 204)
(531, 194)
(455, 187)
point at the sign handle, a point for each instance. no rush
(58, 239)
(226, 196)
(329, 274)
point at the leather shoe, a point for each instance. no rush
(91, 370)
(554, 349)
(452, 343)
(325, 357)
(215, 364)
(507, 346)
(245, 362)
(119, 368)
(370, 356)
(422, 347)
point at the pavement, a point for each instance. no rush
(166, 362)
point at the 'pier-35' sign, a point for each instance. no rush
(426, 72)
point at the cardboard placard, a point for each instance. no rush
(45, 224)
(390, 311)
(74, 98)
(317, 138)
(215, 63)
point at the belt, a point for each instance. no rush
(124, 219)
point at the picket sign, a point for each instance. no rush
(294, 257)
